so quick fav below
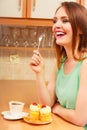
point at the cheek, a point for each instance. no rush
(69, 29)
(70, 33)
(53, 28)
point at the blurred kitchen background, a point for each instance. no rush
(16, 48)
(23, 25)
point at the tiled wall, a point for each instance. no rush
(14, 63)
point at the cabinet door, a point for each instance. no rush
(12, 8)
(85, 3)
(45, 8)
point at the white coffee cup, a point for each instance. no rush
(16, 108)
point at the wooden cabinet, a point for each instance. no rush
(45, 8)
(12, 8)
(28, 12)
(85, 3)
(29, 8)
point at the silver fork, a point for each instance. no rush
(40, 39)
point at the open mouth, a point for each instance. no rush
(60, 34)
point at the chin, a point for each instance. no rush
(59, 42)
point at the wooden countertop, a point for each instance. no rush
(16, 90)
(56, 124)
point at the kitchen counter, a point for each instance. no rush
(26, 91)
(56, 124)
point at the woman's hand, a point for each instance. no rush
(36, 62)
(55, 108)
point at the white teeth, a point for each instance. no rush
(59, 33)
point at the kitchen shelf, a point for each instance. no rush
(26, 48)
(26, 21)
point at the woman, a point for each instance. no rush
(66, 91)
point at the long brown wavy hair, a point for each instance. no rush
(78, 18)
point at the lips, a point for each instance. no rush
(59, 34)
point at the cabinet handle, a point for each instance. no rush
(34, 5)
(19, 5)
(81, 1)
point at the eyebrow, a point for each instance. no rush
(61, 17)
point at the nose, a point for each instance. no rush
(58, 24)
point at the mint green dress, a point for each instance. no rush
(67, 86)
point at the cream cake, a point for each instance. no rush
(40, 112)
(34, 111)
(45, 113)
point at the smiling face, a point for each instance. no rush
(62, 28)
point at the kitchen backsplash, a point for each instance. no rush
(14, 63)
(28, 36)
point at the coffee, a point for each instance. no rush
(16, 104)
(16, 108)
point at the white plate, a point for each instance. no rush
(36, 122)
(7, 115)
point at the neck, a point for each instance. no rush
(70, 60)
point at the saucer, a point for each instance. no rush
(7, 115)
(27, 119)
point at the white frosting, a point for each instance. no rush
(34, 107)
(45, 110)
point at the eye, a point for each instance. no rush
(54, 20)
(65, 20)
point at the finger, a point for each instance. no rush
(33, 63)
(35, 60)
(36, 56)
(36, 52)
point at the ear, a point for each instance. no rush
(79, 32)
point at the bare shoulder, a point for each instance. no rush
(84, 62)
(84, 65)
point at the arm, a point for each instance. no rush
(45, 93)
(79, 115)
